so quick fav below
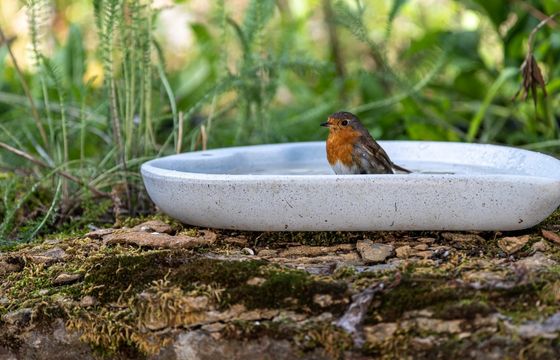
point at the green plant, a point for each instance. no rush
(268, 71)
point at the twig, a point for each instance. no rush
(538, 27)
(179, 134)
(62, 173)
(537, 13)
(203, 136)
(34, 111)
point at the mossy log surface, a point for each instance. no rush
(158, 289)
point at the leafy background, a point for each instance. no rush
(101, 87)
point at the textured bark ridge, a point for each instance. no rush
(160, 290)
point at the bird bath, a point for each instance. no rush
(455, 186)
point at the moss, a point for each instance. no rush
(223, 273)
(290, 289)
(138, 289)
(27, 283)
(242, 330)
(414, 293)
(113, 275)
(45, 313)
(133, 273)
(449, 301)
(519, 301)
(345, 272)
(332, 339)
(550, 293)
(553, 219)
(322, 238)
(464, 309)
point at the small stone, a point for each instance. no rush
(267, 253)
(379, 333)
(412, 314)
(426, 240)
(421, 247)
(373, 252)
(441, 252)
(535, 262)
(426, 262)
(43, 292)
(423, 343)
(459, 237)
(51, 241)
(311, 251)
(291, 316)
(439, 326)
(154, 226)
(323, 300)
(403, 252)
(216, 335)
(247, 251)
(491, 321)
(323, 317)
(99, 233)
(424, 254)
(379, 268)
(237, 241)
(541, 246)
(197, 303)
(66, 279)
(256, 281)
(88, 301)
(214, 327)
(19, 317)
(48, 257)
(547, 329)
(513, 244)
(258, 314)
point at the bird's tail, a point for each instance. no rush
(400, 170)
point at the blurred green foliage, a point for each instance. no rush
(256, 71)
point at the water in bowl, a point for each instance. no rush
(419, 167)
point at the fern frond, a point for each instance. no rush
(257, 15)
(39, 15)
(55, 74)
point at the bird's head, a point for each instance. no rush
(343, 121)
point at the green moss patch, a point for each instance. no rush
(291, 289)
(294, 289)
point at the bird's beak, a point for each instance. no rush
(326, 124)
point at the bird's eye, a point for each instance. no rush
(344, 122)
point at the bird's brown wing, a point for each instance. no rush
(401, 169)
(377, 160)
(372, 157)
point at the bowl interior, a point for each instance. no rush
(310, 159)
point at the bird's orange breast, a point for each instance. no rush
(340, 145)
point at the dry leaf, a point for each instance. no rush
(161, 240)
(552, 236)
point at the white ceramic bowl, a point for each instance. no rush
(455, 186)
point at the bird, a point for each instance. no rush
(352, 150)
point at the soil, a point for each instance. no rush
(161, 290)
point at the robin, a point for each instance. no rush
(352, 150)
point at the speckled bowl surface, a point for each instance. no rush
(455, 186)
